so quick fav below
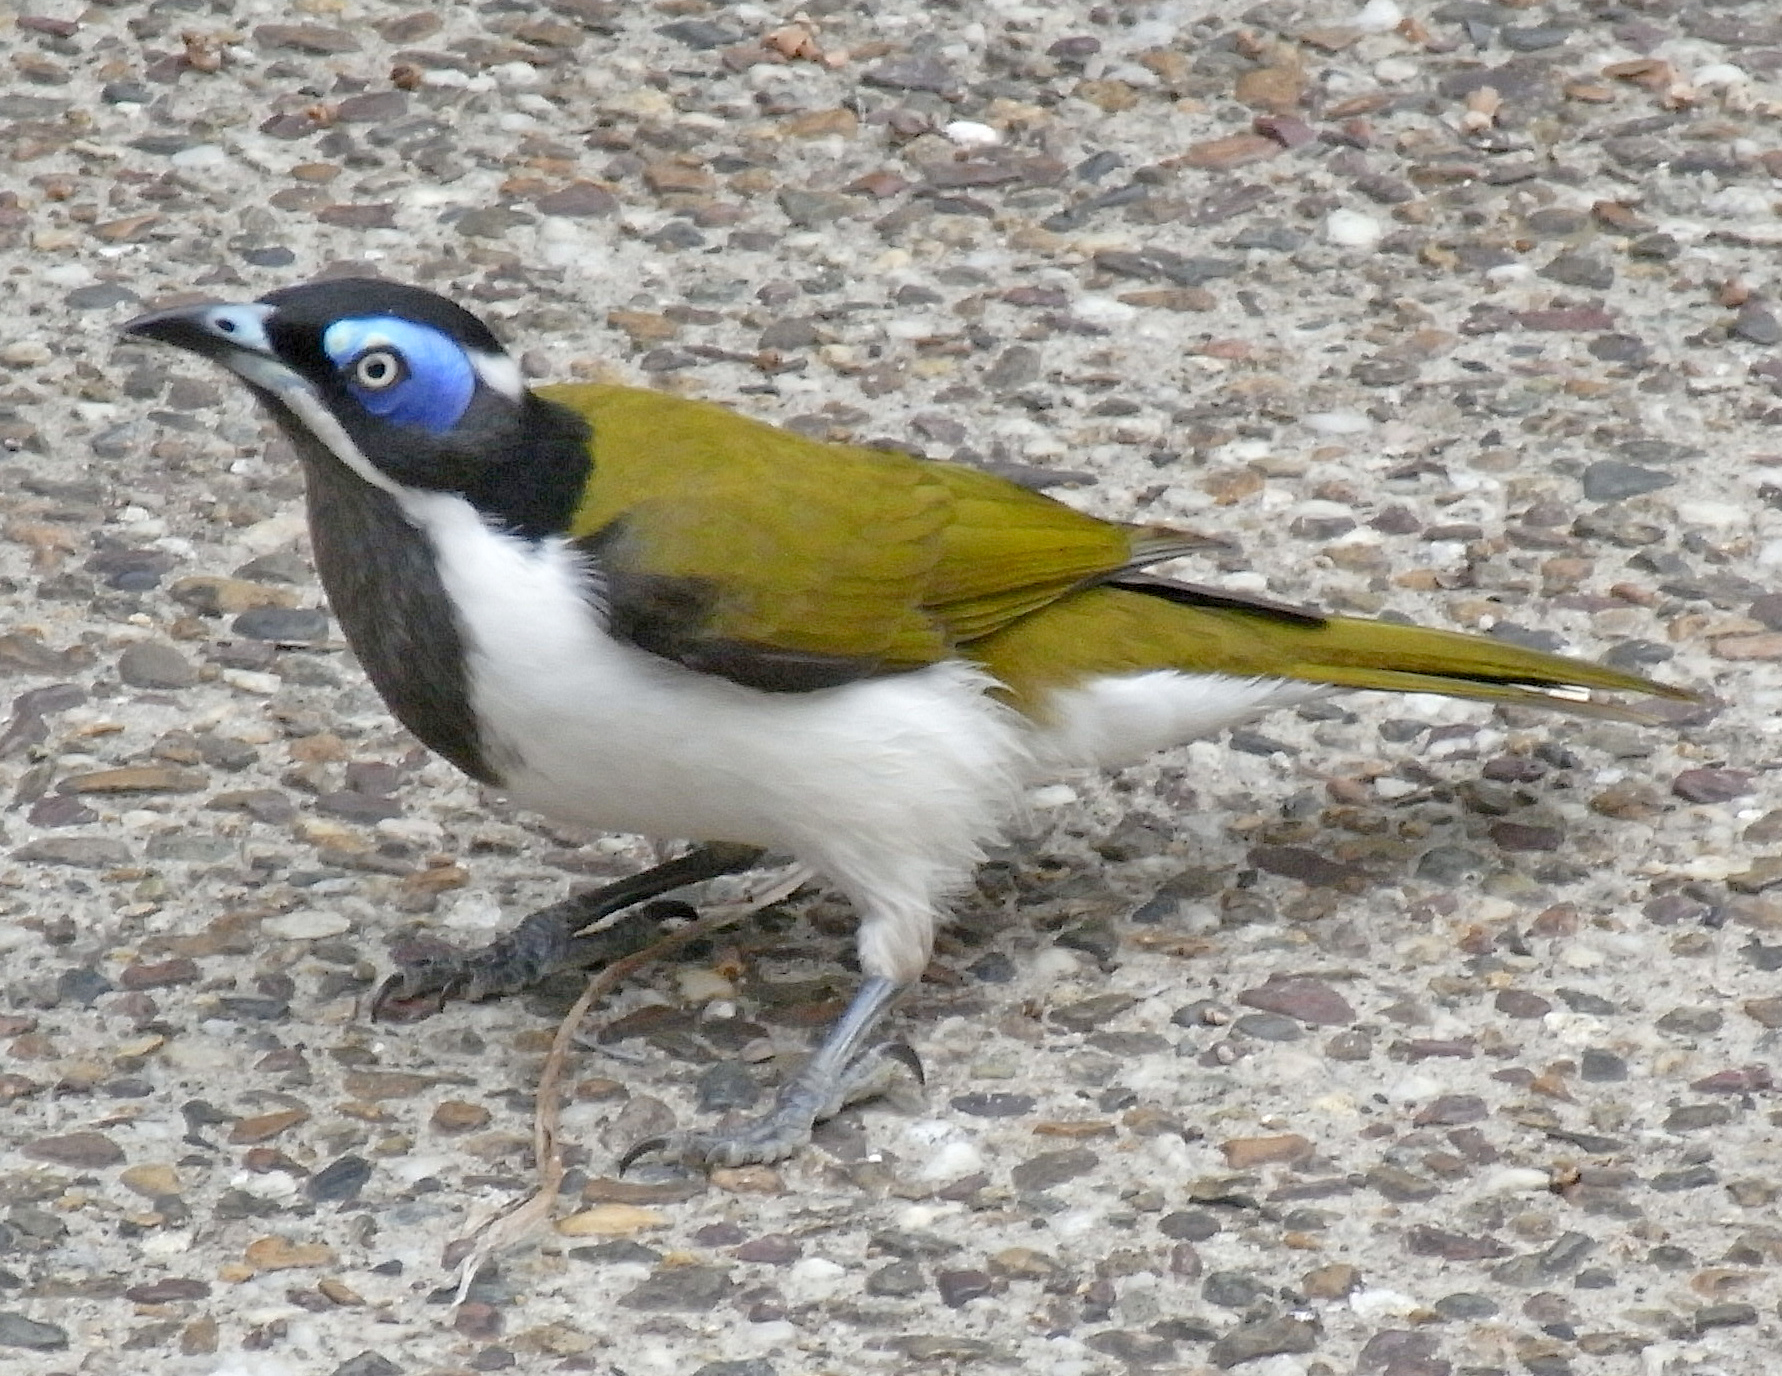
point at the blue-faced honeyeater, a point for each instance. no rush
(647, 614)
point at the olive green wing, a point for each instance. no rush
(787, 563)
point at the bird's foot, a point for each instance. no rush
(817, 1092)
(556, 938)
(540, 945)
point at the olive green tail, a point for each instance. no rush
(1146, 624)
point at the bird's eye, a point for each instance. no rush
(377, 369)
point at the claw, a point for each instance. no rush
(905, 1055)
(416, 991)
(638, 1150)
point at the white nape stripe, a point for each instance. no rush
(499, 372)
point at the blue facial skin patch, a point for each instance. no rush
(439, 383)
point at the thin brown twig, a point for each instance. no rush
(519, 1221)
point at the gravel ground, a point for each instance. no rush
(1393, 1037)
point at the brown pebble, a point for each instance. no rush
(671, 177)
(455, 1115)
(377, 1085)
(1767, 645)
(152, 1181)
(168, 1291)
(1425, 1241)
(1234, 150)
(1310, 1000)
(1333, 1282)
(1711, 785)
(1767, 1012)
(87, 1150)
(1519, 1003)
(1279, 89)
(161, 974)
(1074, 1130)
(1242, 1153)
(136, 778)
(275, 1253)
(264, 1127)
(199, 1337)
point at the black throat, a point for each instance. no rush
(383, 585)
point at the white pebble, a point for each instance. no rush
(25, 353)
(1337, 422)
(1394, 70)
(1352, 229)
(1719, 75)
(1103, 310)
(516, 75)
(1390, 788)
(1517, 1180)
(473, 911)
(249, 681)
(417, 830)
(700, 985)
(201, 157)
(1379, 16)
(308, 925)
(918, 1216)
(1740, 202)
(1382, 1304)
(164, 1243)
(1414, 1088)
(819, 1270)
(952, 1161)
(1720, 515)
(968, 133)
(1054, 963)
(66, 275)
(262, 537)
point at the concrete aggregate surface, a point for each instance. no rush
(1391, 1036)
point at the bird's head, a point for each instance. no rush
(399, 385)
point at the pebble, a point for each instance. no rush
(1353, 229)
(37, 1335)
(612, 1220)
(1309, 1000)
(681, 1290)
(1266, 1338)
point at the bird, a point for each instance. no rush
(644, 613)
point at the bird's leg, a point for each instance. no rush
(553, 938)
(848, 1066)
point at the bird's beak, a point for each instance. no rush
(230, 333)
(234, 334)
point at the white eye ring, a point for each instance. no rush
(377, 369)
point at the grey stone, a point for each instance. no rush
(17, 1330)
(681, 1290)
(1610, 480)
(77, 852)
(1268, 1338)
